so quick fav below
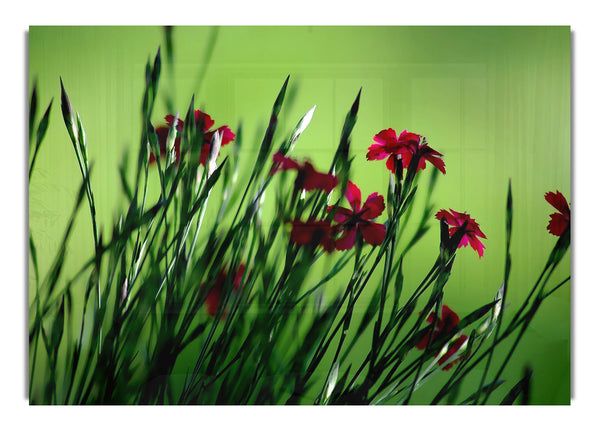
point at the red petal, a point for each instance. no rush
(310, 232)
(204, 153)
(373, 233)
(317, 180)
(476, 244)
(204, 119)
(237, 281)
(464, 241)
(374, 206)
(449, 318)
(212, 300)
(386, 137)
(558, 223)
(409, 137)
(391, 164)
(282, 163)
(347, 240)
(377, 152)
(341, 214)
(436, 161)
(446, 215)
(423, 342)
(558, 201)
(169, 119)
(451, 351)
(227, 135)
(353, 195)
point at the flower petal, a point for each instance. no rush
(341, 214)
(282, 163)
(449, 318)
(433, 157)
(558, 223)
(353, 195)
(237, 281)
(373, 206)
(203, 119)
(313, 232)
(316, 180)
(390, 163)
(558, 201)
(228, 135)
(409, 137)
(169, 119)
(476, 244)
(212, 300)
(454, 347)
(377, 152)
(373, 233)
(386, 137)
(347, 240)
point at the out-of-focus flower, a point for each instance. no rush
(471, 237)
(444, 326)
(216, 291)
(313, 232)
(405, 147)
(454, 347)
(560, 220)
(359, 218)
(308, 178)
(202, 119)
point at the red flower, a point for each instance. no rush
(313, 232)
(308, 178)
(560, 220)
(406, 146)
(359, 218)
(443, 327)
(202, 119)
(216, 291)
(456, 344)
(455, 220)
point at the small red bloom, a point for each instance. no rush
(359, 218)
(455, 220)
(308, 178)
(202, 119)
(454, 347)
(560, 220)
(313, 232)
(216, 291)
(444, 326)
(406, 146)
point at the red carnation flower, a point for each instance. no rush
(313, 232)
(444, 326)
(359, 219)
(216, 291)
(201, 118)
(405, 147)
(308, 178)
(471, 237)
(560, 220)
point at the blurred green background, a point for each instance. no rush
(495, 101)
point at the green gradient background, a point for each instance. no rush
(494, 100)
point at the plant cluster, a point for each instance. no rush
(179, 308)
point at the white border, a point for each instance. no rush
(582, 19)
